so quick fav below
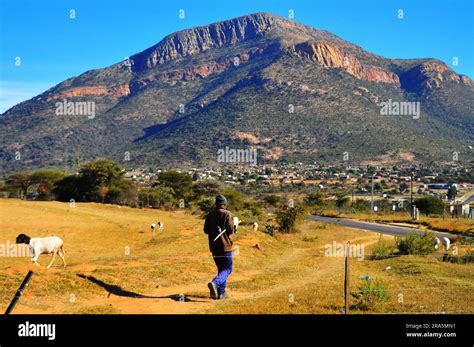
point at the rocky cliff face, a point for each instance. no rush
(197, 40)
(331, 56)
(117, 91)
(206, 69)
(430, 75)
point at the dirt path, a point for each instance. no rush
(189, 299)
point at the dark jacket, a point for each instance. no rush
(222, 218)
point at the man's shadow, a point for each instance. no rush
(117, 290)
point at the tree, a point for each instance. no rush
(403, 187)
(371, 170)
(157, 197)
(99, 181)
(100, 173)
(103, 191)
(452, 192)
(268, 171)
(46, 179)
(181, 183)
(68, 188)
(377, 187)
(272, 199)
(206, 188)
(430, 205)
(19, 181)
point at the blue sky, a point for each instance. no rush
(53, 47)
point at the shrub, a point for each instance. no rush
(361, 205)
(343, 201)
(416, 244)
(288, 220)
(370, 294)
(251, 212)
(430, 205)
(270, 229)
(314, 199)
(381, 250)
(234, 198)
(467, 258)
(272, 199)
(206, 205)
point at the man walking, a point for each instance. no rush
(218, 226)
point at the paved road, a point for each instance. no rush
(467, 198)
(377, 227)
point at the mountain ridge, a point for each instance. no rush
(189, 72)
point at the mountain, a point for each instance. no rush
(293, 92)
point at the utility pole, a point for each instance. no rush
(372, 197)
(411, 189)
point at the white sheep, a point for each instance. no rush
(437, 241)
(236, 223)
(153, 226)
(446, 243)
(255, 226)
(43, 245)
(160, 226)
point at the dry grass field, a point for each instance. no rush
(115, 265)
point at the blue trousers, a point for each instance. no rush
(224, 269)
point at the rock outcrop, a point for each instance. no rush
(331, 56)
(117, 91)
(197, 40)
(430, 75)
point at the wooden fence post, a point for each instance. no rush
(346, 279)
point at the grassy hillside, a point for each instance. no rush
(115, 265)
(333, 113)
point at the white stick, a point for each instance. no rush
(223, 231)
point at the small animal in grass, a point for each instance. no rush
(255, 226)
(446, 243)
(237, 221)
(43, 245)
(160, 226)
(153, 227)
